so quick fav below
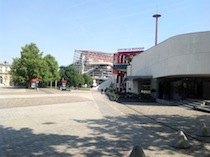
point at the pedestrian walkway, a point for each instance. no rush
(49, 130)
(162, 122)
(63, 129)
(87, 124)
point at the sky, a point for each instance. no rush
(58, 27)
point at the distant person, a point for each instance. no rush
(102, 91)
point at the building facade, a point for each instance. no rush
(177, 68)
(5, 77)
(121, 60)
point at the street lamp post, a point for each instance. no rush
(156, 28)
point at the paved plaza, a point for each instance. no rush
(81, 123)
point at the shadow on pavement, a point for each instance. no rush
(112, 136)
(152, 136)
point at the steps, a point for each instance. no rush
(196, 104)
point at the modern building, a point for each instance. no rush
(122, 59)
(5, 77)
(176, 68)
(97, 64)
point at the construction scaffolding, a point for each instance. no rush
(98, 64)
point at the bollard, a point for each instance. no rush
(204, 131)
(137, 152)
(181, 141)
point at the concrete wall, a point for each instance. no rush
(187, 54)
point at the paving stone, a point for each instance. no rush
(86, 123)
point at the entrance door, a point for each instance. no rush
(200, 89)
(206, 90)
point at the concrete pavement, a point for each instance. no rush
(86, 124)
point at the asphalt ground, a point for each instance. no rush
(50, 122)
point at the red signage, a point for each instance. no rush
(35, 80)
(64, 81)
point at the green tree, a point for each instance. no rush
(88, 79)
(72, 76)
(62, 70)
(31, 65)
(17, 71)
(28, 66)
(52, 73)
(80, 80)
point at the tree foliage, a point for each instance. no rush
(31, 65)
(80, 80)
(73, 77)
(17, 72)
(88, 79)
(62, 72)
(52, 70)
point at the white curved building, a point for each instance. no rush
(177, 68)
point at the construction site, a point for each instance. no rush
(97, 64)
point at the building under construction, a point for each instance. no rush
(97, 64)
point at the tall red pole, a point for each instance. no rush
(156, 28)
